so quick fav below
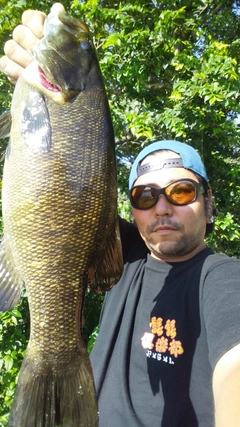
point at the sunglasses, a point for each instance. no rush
(181, 192)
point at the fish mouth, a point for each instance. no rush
(63, 59)
(45, 82)
(36, 77)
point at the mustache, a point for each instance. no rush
(164, 223)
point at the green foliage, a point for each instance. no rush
(14, 333)
(172, 72)
(92, 308)
(92, 338)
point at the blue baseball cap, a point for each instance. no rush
(189, 159)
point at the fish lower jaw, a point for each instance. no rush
(35, 76)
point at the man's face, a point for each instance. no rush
(172, 233)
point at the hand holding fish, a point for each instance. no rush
(26, 35)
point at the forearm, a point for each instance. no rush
(226, 389)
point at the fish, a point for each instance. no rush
(60, 222)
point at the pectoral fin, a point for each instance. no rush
(35, 125)
(5, 124)
(11, 284)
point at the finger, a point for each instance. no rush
(10, 68)
(24, 37)
(17, 54)
(34, 20)
(57, 7)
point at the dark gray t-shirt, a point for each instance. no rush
(163, 328)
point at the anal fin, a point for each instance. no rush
(105, 271)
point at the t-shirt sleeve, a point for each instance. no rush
(221, 307)
(130, 238)
(133, 248)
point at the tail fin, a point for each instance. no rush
(52, 397)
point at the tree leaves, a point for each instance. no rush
(14, 332)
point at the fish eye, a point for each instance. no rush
(85, 45)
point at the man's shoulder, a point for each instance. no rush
(220, 272)
(215, 260)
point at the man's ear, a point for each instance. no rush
(209, 206)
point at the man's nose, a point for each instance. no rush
(163, 206)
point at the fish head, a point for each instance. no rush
(65, 58)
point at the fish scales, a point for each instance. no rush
(60, 232)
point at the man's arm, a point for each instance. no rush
(226, 389)
(24, 36)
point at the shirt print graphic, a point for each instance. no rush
(162, 343)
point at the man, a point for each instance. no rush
(162, 335)
(168, 351)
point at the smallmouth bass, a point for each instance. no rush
(60, 220)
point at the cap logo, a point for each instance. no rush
(166, 163)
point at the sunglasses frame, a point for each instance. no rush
(198, 187)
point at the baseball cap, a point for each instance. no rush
(189, 159)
